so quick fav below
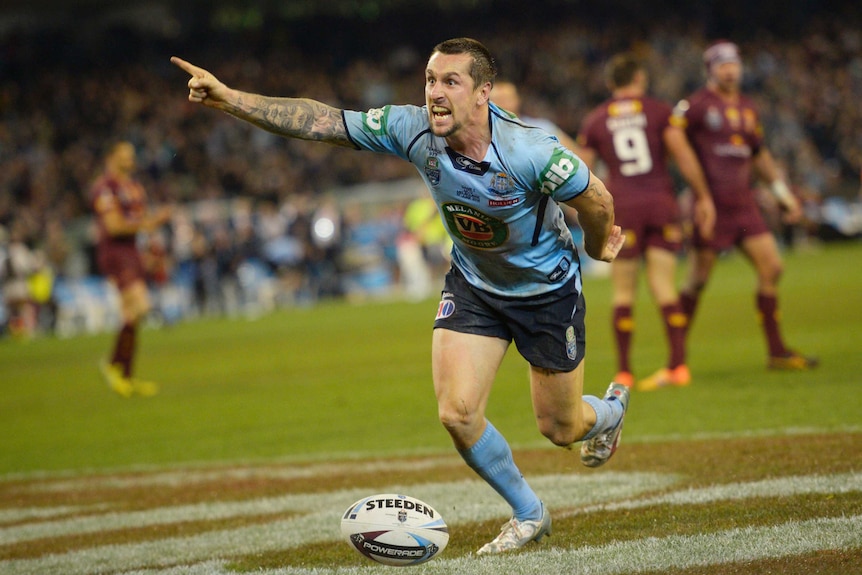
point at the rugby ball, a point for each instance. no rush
(394, 529)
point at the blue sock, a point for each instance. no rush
(608, 414)
(491, 458)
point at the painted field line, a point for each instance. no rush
(177, 471)
(780, 487)
(185, 477)
(459, 502)
(462, 502)
(650, 554)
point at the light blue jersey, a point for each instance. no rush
(509, 238)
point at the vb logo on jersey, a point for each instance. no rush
(559, 169)
(473, 227)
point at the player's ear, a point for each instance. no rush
(483, 95)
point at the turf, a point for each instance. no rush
(331, 400)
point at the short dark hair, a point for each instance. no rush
(621, 69)
(484, 68)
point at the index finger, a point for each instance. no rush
(188, 67)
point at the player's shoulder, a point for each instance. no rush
(507, 128)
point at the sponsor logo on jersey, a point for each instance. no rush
(625, 108)
(445, 309)
(432, 170)
(468, 194)
(464, 164)
(636, 121)
(571, 343)
(558, 171)
(374, 121)
(560, 271)
(501, 184)
(503, 203)
(713, 119)
(474, 228)
(733, 117)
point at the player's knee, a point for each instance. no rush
(458, 421)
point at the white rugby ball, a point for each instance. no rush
(395, 529)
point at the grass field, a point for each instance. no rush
(266, 430)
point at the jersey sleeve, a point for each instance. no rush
(565, 176)
(388, 130)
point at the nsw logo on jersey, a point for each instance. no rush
(558, 171)
(474, 228)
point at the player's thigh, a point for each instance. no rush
(135, 300)
(624, 276)
(762, 251)
(661, 275)
(464, 366)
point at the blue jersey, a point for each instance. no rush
(508, 237)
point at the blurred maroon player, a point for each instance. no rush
(631, 133)
(120, 204)
(725, 131)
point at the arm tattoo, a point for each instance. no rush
(593, 191)
(300, 118)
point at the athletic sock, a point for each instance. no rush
(124, 348)
(608, 414)
(491, 458)
(623, 330)
(767, 308)
(675, 322)
(688, 302)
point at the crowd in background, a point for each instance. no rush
(262, 221)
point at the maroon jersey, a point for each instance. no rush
(627, 135)
(117, 256)
(109, 193)
(725, 136)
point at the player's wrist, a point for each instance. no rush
(782, 192)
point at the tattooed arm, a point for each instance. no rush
(300, 118)
(602, 239)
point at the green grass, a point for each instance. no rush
(343, 379)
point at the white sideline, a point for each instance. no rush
(465, 502)
(643, 555)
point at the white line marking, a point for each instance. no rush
(459, 502)
(642, 555)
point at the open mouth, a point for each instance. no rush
(440, 112)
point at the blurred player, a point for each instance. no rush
(120, 204)
(724, 129)
(515, 273)
(632, 135)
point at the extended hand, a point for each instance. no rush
(614, 245)
(204, 88)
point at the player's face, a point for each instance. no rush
(727, 76)
(123, 158)
(449, 93)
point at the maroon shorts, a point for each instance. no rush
(656, 224)
(121, 262)
(732, 225)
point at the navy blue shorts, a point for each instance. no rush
(547, 329)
